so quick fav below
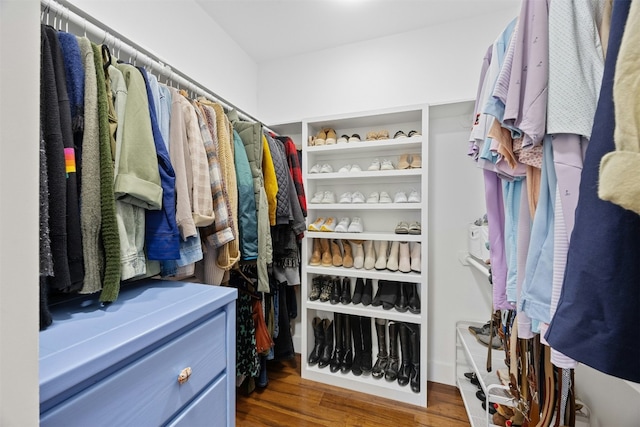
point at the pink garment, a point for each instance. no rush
(495, 216)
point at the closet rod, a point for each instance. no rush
(64, 13)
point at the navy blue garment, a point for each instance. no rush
(162, 237)
(598, 317)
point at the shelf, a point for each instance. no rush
(395, 145)
(365, 174)
(477, 415)
(360, 310)
(365, 206)
(366, 274)
(367, 235)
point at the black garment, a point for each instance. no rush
(283, 349)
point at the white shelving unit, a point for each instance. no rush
(379, 222)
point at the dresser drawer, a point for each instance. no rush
(209, 409)
(146, 392)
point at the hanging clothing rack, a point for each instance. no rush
(65, 13)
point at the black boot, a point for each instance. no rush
(345, 298)
(414, 299)
(367, 293)
(366, 359)
(391, 372)
(356, 332)
(402, 303)
(325, 356)
(377, 301)
(347, 360)
(383, 357)
(318, 334)
(357, 292)
(336, 291)
(405, 347)
(414, 340)
(338, 325)
(389, 294)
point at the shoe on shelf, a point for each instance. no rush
(382, 134)
(372, 136)
(414, 197)
(399, 135)
(343, 139)
(415, 228)
(343, 225)
(402, 228)
(312, 141)
(355, 168)
(317, 198)
(321, 138)
(482, 330)
(373, 197)
(356, 225)
(385, 198)
(328, 197)
(331, 136)
(404, 162)
(326, 168)
(354, 138)
(315, 288)
(386, 165)
(345, 198)
(357, 197)
(400, 197)
(315, 168)
(329, 225)
(317, 224)
(414, 133)
(374, 166)
(416, 161)
(345, 169)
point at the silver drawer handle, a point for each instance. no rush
(184, 375)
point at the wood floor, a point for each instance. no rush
(289, 400)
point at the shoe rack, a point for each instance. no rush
(379, 221)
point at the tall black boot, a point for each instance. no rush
(338, 325)
(414, 339)
(366, 359)
(318, 334)
(391, 372)
(325, 356)
(383, 357)
(405, 347)
(347, 360)
(356, 332)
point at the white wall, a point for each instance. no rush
(180, 33)
(19, 148)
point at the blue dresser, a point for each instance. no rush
(120, 365)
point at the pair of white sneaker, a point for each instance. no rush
(401, 197)
(355, 197)
(323, 197)
(317, 168)
(385, 165)
(350, 168)
(347, 225)
(381, 197)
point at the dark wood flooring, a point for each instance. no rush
(289, 400)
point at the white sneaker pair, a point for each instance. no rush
(355, 197)
(381, 197)
(386, 165)
(349, 226)
(401, 197)
(317, 168)
(323, 197)
(350, 168)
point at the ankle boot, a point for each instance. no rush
(367, 293)
(377, 302)
(369, 255)
(325, 356)
(327, 260)
(383, 357)
(358, 253)
(414, 299)
(394, 252)
(318, 334)
(336, 254)
(345, 298)
(405, 347)
(389, 294)
(356, 332)
(391, 371)
(336, 291)
(347, 360)
(402, 303)
(381, 261)
(404, 262)
(325, 288)
(414, 340)
(316, 255)
(316, 283)
(416, 261)
(338, 352)
(347, 259)
(366, 357)
(357, 292)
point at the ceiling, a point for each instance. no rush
(273, 29)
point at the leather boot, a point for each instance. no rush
(345, 298)
(357, 292)
(404, 262)
(369, 255)
(383, 357)
(389, 294)
(316, 287)
(347, 259)
(391, 371)
(356, 332)
(414, 299)
(381, 261)
(416, 260)
(405, 347)
(318, 334)
(367, 293)
(394, 252)
(377, 302)
(402, 303)
(327, 261)
(366, 358)
(347, 360)
(336, 254)
(414, 340)
(325, 356)
(336, 291)
(316, 255)
(325, 288)
(338, 352)
(358, 253)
